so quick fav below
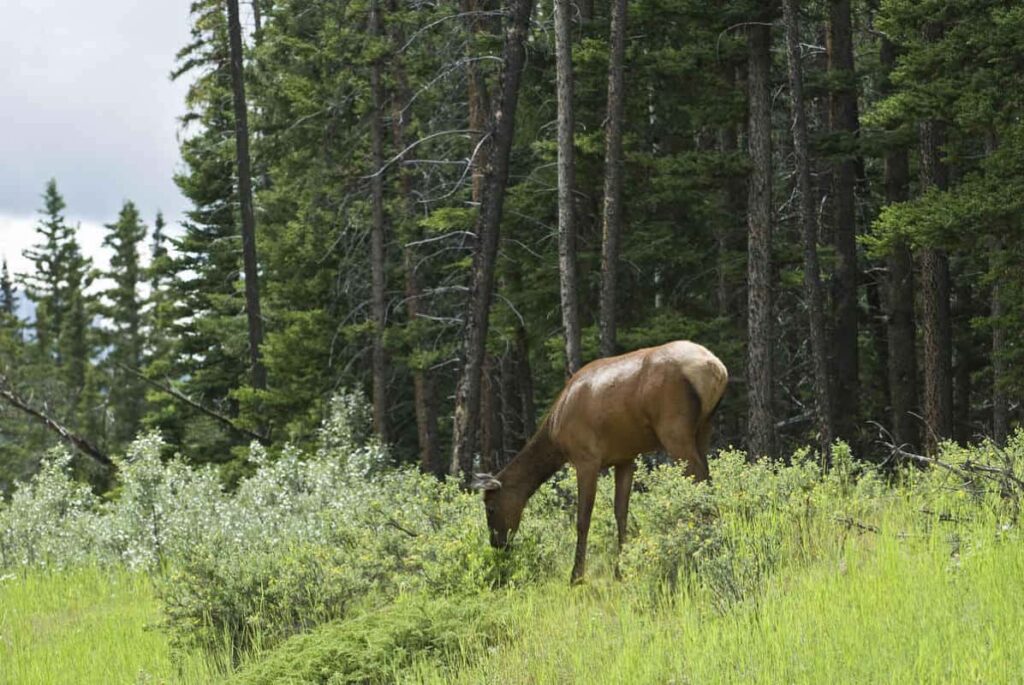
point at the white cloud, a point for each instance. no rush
(85, 97)
(18, 233)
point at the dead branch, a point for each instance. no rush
(181, 397)
(967, 470)
(80, 443)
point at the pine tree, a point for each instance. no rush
(46, 286)
(124, 312)
(8, 292)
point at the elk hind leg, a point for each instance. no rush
(680, 441)
(704, 442)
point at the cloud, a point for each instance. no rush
(85, 97)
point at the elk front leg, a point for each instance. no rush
(586, 481)
(623, 488)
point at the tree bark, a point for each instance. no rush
(844, 120)
(424, 392)
(492, 428)
(612, 223)
(511, 407)
(569, 282)
(1000, 401)
(525, 383)
(477, 98)
(467, 398)
(250, 263)
(812, 274)
(586, 10)
(257, 19)
(900, 330)
(728, 232)
(378, 286)
(760, 426)
(964, 362)
(936, 330)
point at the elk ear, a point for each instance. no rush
(485, 482)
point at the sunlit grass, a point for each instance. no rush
(90, 625)
(906, 604)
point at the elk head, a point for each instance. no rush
(503, 510)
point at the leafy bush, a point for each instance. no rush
(373, 647)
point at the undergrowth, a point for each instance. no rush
(361, 571)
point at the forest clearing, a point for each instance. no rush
(745, 279)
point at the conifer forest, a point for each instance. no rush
(452, 206)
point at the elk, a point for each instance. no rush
(608, 413)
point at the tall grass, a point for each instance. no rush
(329, 566)
(898, 601)
(84, 626)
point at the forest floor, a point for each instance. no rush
(888, 603)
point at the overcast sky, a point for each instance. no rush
(86, 98)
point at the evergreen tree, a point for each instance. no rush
(8, 292)
(124, 312)
(47, 285)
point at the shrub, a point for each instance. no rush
(373, 647)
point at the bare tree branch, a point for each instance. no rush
(80, 443)
(181, 397)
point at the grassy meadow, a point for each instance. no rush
(898, 605)
(87, 626)
(330, 568)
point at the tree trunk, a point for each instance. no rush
(477, 99)
(808, 225)
(378, 286)
(511, 407)
(964, 363)
(492, 447)
(467, 398)
(251, 266)
(1000, 401)
(586, 10)
(760, 426)
(936, 330)
(566, 181)
(844, 120)
(612, 224)
(728, 231)
(424, 393)
(901, 333)
(525, 383)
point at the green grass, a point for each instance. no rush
(86, 626)
(877, 588)
(885, 608)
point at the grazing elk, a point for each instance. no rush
(608, 413)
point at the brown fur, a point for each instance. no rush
(608, 413)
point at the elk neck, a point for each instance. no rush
(535, 463)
